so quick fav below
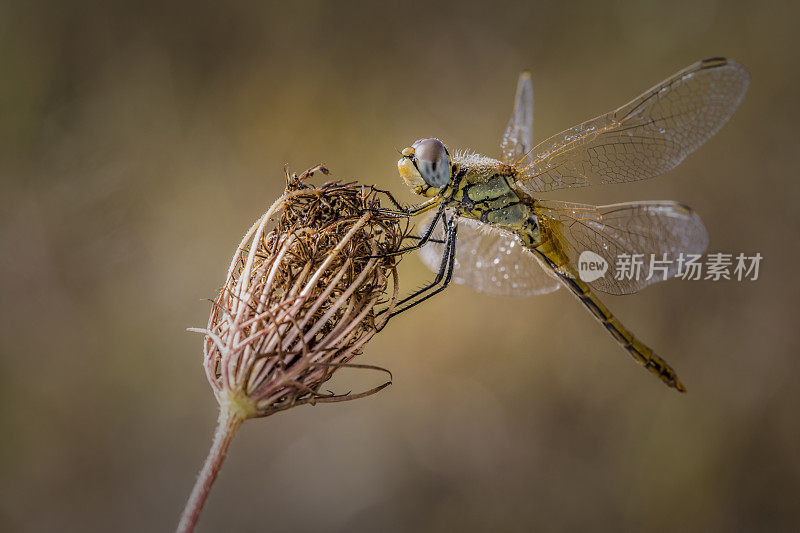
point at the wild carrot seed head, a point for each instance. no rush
(300, 299)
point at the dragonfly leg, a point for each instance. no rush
(437, 241)
(421, 241)
(390, 196)
(442, 279)
(402, 211)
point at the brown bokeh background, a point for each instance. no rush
(139, 140)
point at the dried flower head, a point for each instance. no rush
(300, 299)
(298, 304)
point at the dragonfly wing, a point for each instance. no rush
(652, 229)
(519, 132)
(490, 260)
(644, 138)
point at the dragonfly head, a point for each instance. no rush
(425, 164)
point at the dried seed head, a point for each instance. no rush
(300, 299)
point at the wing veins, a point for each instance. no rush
(674, 118)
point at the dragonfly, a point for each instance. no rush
(486, 225)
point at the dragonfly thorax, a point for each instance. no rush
(491, 197)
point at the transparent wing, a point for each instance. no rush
(651, 229)
(643, 138)
(489, 260)
(519, 132)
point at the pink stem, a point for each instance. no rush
(229, 422)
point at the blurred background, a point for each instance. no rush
(139, 140)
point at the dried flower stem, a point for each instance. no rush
(229, 422)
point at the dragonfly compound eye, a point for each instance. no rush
(433, 161)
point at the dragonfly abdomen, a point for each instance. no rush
(641, 352)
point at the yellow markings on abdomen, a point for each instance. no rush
(640, 352)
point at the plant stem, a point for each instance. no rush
(229, 422)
